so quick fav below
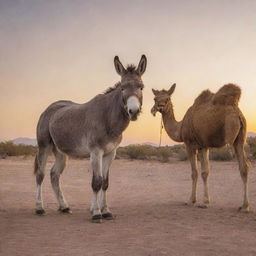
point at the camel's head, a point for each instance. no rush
(162, 98)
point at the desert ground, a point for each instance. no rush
(147, 199)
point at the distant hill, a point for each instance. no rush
(251, 134)
(150, 144)
(25, 141)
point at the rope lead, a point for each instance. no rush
(161, 131)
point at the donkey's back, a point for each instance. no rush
(43, 133)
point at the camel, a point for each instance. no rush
(214, 120)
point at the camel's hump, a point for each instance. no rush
(204, 97)
(229, 94)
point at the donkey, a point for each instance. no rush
(95, 127)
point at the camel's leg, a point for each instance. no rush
(243, 167)
(192, 155)
(40, 163)
(97, 181)
(204, 159)
(56, 171)
(106, 162)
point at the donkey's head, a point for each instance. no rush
(162, 98)
(131, 85)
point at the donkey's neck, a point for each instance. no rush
(172, 127)
(117, 118)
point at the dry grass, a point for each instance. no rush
(143, 152)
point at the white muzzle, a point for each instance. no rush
(133, 107)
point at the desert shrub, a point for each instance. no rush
(163, 153)
(251, 142)
(145, 152)
(10, 149)
(136, 151)
(221, 154)
(179, 151)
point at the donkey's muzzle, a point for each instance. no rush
(133, 114)
(133, 107)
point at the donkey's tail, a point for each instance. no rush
(36, 164)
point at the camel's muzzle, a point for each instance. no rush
(153, 111)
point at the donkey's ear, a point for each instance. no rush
(171, 90)
(154, 91)
(142, 65)
(119, 66)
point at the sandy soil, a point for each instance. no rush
(148, 201)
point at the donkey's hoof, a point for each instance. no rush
(107, 216)
(65, 210)
(40, 212)
(97, 218)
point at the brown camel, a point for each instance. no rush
(214, 120)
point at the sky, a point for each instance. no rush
(62, 49)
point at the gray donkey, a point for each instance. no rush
(95, 127)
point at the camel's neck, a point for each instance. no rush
(172, 127)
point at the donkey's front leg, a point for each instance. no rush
(107, 159)
(97, 181)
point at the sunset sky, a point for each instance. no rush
(63, 49)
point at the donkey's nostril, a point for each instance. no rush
(130, 111)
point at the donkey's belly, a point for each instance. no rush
(72, 146)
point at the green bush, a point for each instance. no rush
(180, 152)
(163, 153)
(221, 154)
(136, 151)
(145, 152)
(251, 142)
(142, 152)
(10, 149)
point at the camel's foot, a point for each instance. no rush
(245, 209)
(65, 210)
(190, 203)
(97, 218)
(40, 212)
(107, 216)
(203, 206)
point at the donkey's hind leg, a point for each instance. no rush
(39, 169)
(57, 169)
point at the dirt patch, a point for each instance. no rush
(148, 201)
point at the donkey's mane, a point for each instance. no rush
(131, 68)
(111, 89)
